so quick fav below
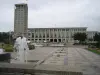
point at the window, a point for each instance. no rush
(59, 35)
(67, 29)
(55, 35)
(43, 35)
(32, 35)
(63, 29)
(51, 35)
(40, 36)
(47, 35)
(28, 34)
(36, 36)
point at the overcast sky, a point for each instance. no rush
(53, 13)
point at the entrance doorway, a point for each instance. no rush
(51, 40)
(55, 40)
(59, 40)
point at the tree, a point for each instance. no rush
(80, 37)
(97, 38)
(90, 39)
(5, 37)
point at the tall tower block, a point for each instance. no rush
(20, 19)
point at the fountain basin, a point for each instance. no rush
(5, 57)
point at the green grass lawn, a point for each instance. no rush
(0, 46)
(94, 51)
(7, 47)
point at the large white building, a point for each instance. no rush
(40, 35)
(20, 19)
(91, 34)
(54, 35)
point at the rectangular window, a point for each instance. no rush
(32, 35)
(47, 35)
(29, 34)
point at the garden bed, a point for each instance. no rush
(94, 50)
(7, 47)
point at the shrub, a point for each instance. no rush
(8, 48)
(31, 47)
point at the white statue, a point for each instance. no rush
(22, 48)
(16, 46)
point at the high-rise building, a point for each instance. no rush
(21, 19)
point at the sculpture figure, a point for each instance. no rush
(22, 48)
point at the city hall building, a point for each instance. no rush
(40, 35)
(54, 35)
(20, 19)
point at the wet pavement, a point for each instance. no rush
(65, 59)
(73, 59)
(36, 55)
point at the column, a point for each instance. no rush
(65, 35)
(57, 35)
(53, 35)
(49, 35)
(34, 35)
(69, 35)
(38, 35)
(30, 36)
(61, 36)
(45, 35)
(42, 35)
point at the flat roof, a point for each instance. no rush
(21, 4)
(91, 31)
(58, 28)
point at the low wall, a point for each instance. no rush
(21, 69)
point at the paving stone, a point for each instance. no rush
(70, 59)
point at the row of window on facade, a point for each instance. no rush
(19, 10)
(19, 14)
(19, 20)
(21, 6)
(45, 30)
(19, 23)
(50, 40)
(49, 36)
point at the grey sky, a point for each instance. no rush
(54, 13)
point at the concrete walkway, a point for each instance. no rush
(73, 59)
(36, 55)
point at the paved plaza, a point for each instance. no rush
(65, 59)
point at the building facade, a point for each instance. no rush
(91, 34)
(54, 35)
(20, 19)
